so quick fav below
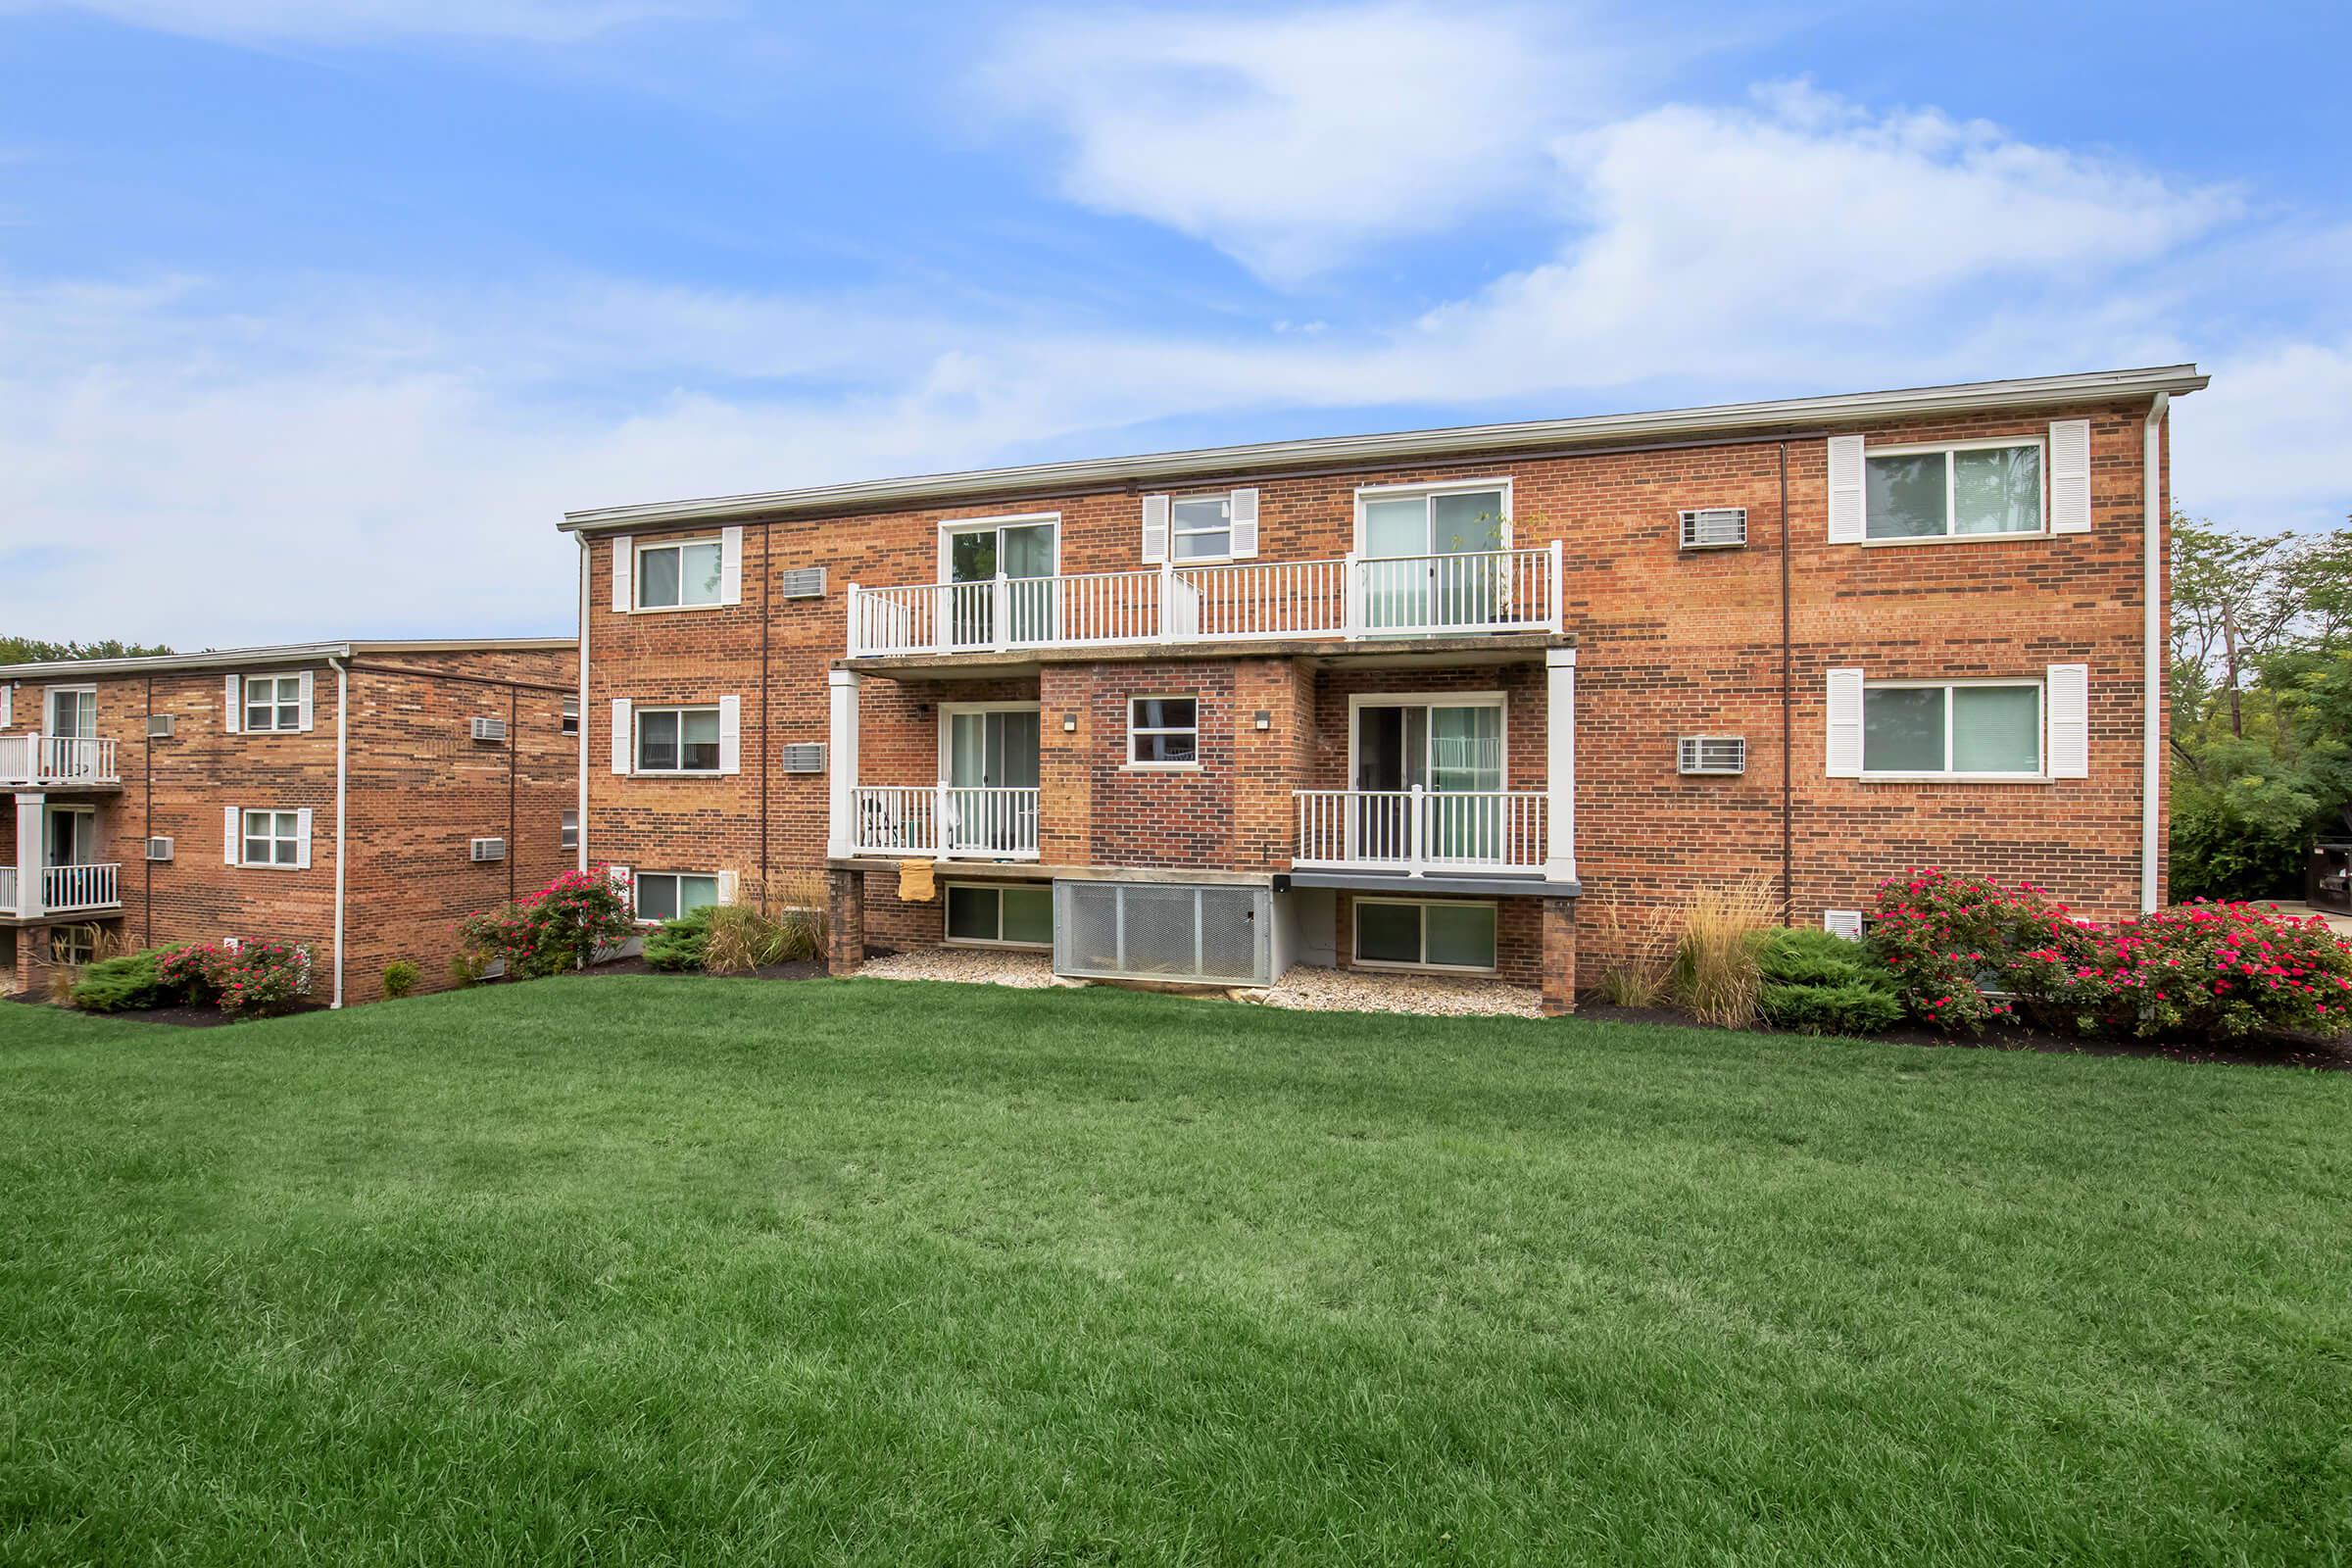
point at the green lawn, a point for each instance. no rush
(654, 1270)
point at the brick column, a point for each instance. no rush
(1559, 957)
(845, 921)
(31, 940)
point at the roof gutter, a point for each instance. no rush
(1753, 418)
(278, 654)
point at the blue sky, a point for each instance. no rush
(314, 316)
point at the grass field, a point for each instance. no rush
(650, 1270)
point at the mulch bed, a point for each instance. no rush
(183, 1016)
(2324, 1056)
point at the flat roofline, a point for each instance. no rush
(1725, 418)
(281, 654)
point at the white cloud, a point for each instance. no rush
(1292, 142)
(2269, 443)
(343, 20)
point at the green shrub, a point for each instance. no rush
(261, 979)
(679, 944)
(562, 926)
(118, 984)
(399, 978)
(1800, 956)
(1849, 1007)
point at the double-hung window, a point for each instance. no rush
(1955, 730)
(1967, 488)
(569, 833)
(1164, 732)
(677, 740)
(678, 576)
(1201, 527)
(273, 838)
(666, 894)
(1404, 934)
(570, 725)
(273, 703)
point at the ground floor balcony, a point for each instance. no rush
(61, 890)
(1419, 832)
(57, 761)
(948, 821)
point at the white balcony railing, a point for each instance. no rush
(57, 759)
(71, 889)
(1482, 591)
(947, 820)
(7, 890)
(1419, 830)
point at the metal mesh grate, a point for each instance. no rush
(1164, 931)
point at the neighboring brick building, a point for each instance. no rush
(197, 796)
(1413, 698)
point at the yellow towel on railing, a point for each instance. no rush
(915, 882)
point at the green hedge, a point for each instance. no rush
(1824, 985)
(679, 944)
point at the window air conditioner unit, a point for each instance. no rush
(159, 726)
(801, 582)
(1713, 754)
(489, 849)
(489, 729)
(159, 849)
(1715, 528)
(806, 756)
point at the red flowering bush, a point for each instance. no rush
(192, 972)
(259, 978)
(561, 926)
(1964, 950)
(1947, 939)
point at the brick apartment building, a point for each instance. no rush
(1458, 699)
(353, 797)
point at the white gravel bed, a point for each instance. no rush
(976, 966)
(1313, 990)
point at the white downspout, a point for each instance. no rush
(581, 809)
(2151, 697)
(342, 779)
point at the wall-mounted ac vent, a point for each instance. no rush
(159, 725)
(805, 757)
(1713, 754)
(489, 849)
(489, 729)
(1845, 924)
(1715, 528)
(159, 849)
(801, 582)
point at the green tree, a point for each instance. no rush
(38, 650)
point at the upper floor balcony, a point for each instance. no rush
(1356, 596)
(37, 761)
(60, 888)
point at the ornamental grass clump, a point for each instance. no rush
(1641, 944)
(1716, 975)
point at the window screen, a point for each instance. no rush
(1164, 931)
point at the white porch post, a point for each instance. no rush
(841, 757)
(1559, 765)
(30, 842)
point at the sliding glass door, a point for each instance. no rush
(1409, 583)
(990, 752)
(1024, 552)
(1453, 752)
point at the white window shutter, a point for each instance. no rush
(232, 706)
(302, 839)
(620, 734)
(624, 561)
(1846, 724)
(1155, 529)
(730, 566)
(233, 838)
(8, 705)
(2070, 476)
(2068, 695)
(1846, 923)
(731, 734)
(618, 876)
(305, 684)
(726, 887)
(1845, 489)
(1243, 505)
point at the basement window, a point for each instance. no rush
(1404, 934)
(991, 915)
